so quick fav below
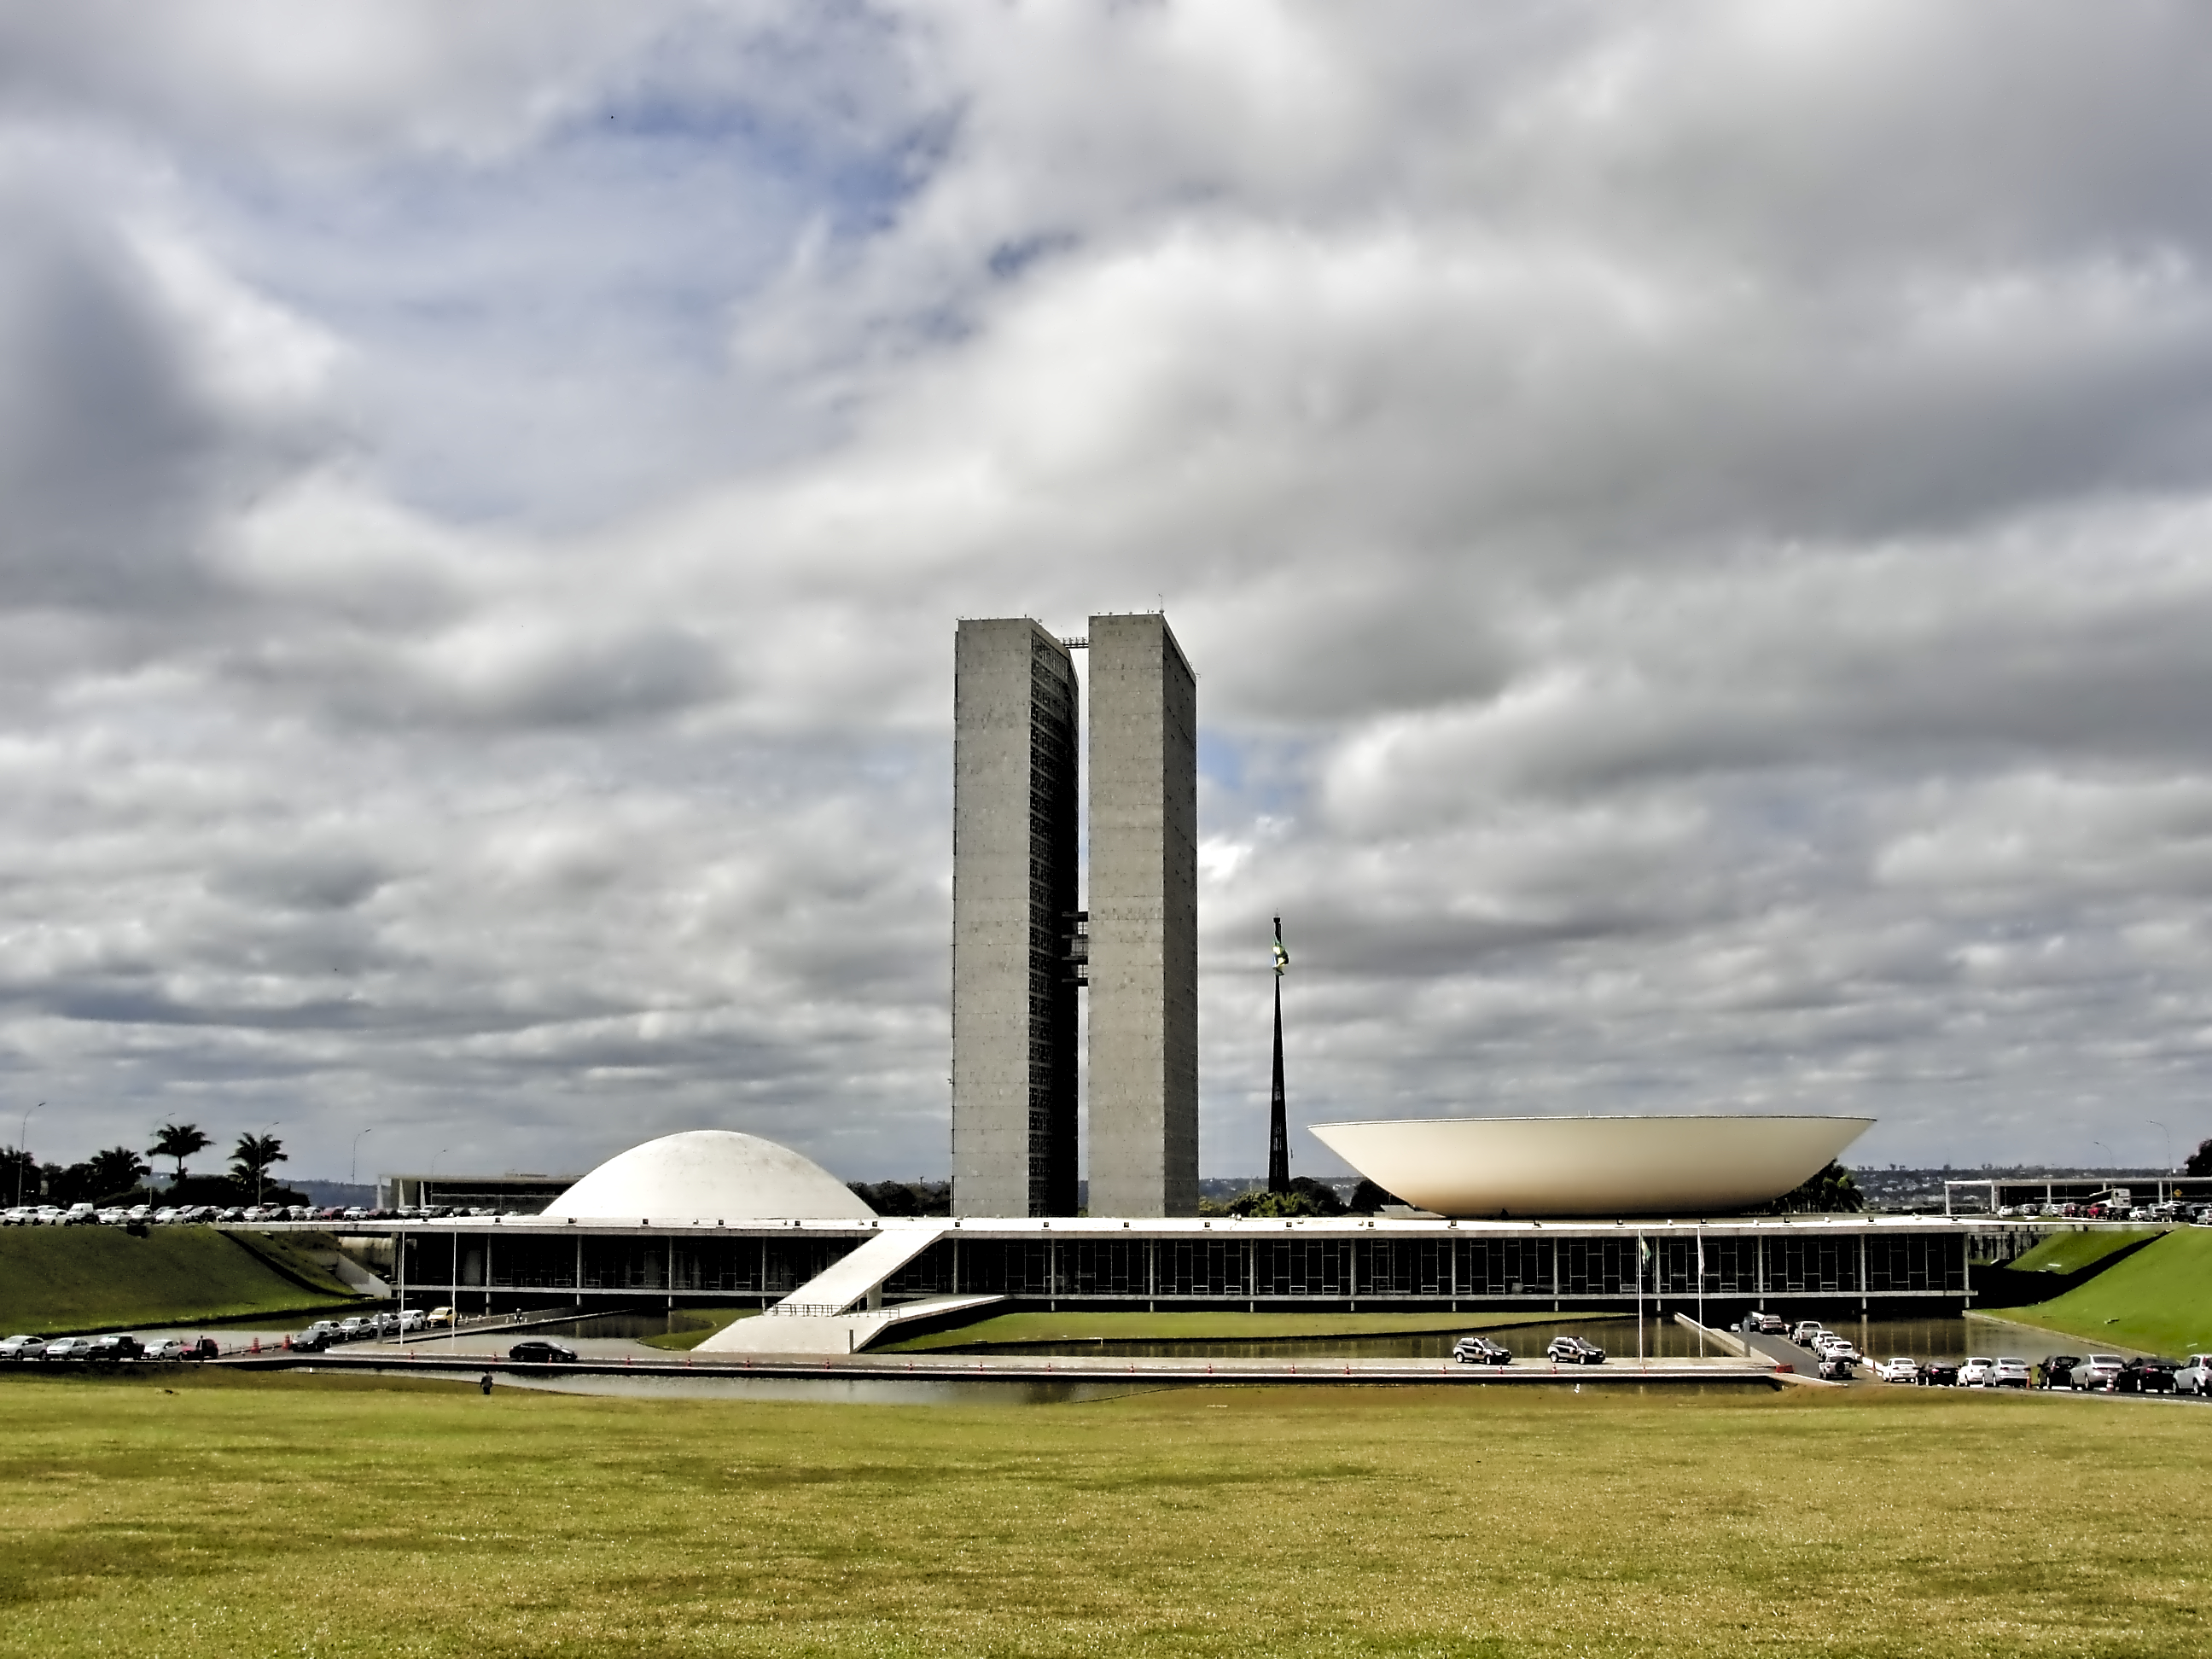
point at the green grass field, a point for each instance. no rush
(260, 1515)
(1026, 1328)
(2066, 1252)
(54, 1280)
(2159, 1300)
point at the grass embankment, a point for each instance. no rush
(54, 1280)
(2069, 1253)
(256, 1514)
(2159, 1300)
(1034, 1327)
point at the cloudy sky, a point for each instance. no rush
(1695, 524)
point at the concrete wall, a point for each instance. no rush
(1144, 921)
(1013, 883)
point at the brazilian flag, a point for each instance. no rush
(1282, 956)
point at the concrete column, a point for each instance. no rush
(1014, 849)
(1144, 921)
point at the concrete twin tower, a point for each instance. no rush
(1022, 950)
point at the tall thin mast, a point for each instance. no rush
(1278, 1134)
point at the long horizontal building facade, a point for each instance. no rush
(1348, 1264)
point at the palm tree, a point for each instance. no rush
(253, 1156)
(179, 1141)
(117, 1169)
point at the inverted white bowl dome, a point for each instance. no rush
(711, 1174)
(1586, 1166)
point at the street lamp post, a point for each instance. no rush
(23, 1148)
(353, 1170)
(261, 1166)
(2168, 1133)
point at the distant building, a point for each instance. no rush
(526, 1194)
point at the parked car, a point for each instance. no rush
(72, 1349)
(2099, 1371)
(1574, 1351)
(2009, 1373)
(2145, 1374)
(1836, 1367)
(2195, 1375)
(352, 1328)
(113, 1350)
(2057, 1370)
(538, 1352)
(440, 1316)
(1979, 1371)
(1807, 1329)
(163, 1350)
(22, 1348)
(1901, 1369)
(410, 1319)
(1841, 1345)
(313, 1340)
(1939, 1374)
(1481, 1350)
(1765, 1324)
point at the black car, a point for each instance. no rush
(2057, 1372)
(541, 1353)
(114, 1350)
(1940, 1374)
(2146, 1376)
(311, 1342)
(1480, 1351)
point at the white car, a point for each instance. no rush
(1979, 1372)
(2099, 1370)
(21, 1348)
(1902, 1368)
(2194, 1377)
(2010, 1373)
(411, 1320)
(168, 1348)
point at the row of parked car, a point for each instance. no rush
(147, 1215)
(114, 1349)
(1562, 1350)
(2174, 1210)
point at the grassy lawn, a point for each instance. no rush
(2159, 1300)
(259, 1516)
(2067, 1253)
(72, 1278)
(1016, 1327)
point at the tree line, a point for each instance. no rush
(119, 1172)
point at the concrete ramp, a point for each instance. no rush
(776, 1331)
(859, 1278)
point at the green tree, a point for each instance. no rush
(1306, 1197)
(178, 1141)
(1831, 1192)
(251, 1158)
(2200, 1161)
(117, 1169)
(1367, 1198)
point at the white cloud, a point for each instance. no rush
(1692, 526)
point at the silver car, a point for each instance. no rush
(2194, 1377)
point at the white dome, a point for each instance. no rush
(711, 1174)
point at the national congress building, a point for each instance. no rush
(1023, 948)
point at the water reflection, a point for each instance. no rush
(1661, 1339)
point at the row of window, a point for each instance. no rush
(1224, 1269)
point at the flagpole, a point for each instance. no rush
(1278, 1134)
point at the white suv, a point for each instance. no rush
(2196, 1376)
